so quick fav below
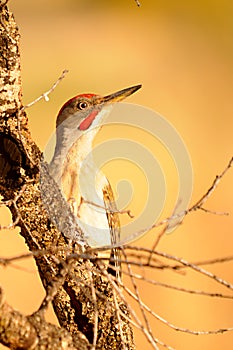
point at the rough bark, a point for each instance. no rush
(75, 286)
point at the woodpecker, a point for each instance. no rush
(83, 185)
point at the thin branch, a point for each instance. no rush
(138, 3)
(214, 212)
(213, 261)
(137, 251)
(171, 325)
(118, 313)
(198, 269)
(132, 312)
(215, 183)
(138, 296)
(179, 289)
(197, 206)
(138, 324)
(160, 235)
(204, 262)
(46, 94)
(138, 254)
(108, 210)
(13, 202)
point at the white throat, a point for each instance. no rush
(68, 134)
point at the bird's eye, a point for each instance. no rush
(82, 105)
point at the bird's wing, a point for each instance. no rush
(114, 226)
(112, 214)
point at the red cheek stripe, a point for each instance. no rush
(88, 121)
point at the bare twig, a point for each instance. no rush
(160, 235)
(212, 261)
(138, 296)
(198, 269)
(128, 212)
(138, 3)
(46, 94)
(197, 206)
(179, 289)
(118, 311)
(203, 199)
(214, 212)
(132, 312)
(180, 329)
(13, 202)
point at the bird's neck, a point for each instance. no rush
(73, 143)
(71, 149)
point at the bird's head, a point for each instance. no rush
(87, 110)
(83, 114)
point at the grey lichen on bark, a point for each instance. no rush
(76, 287)
(10, 82)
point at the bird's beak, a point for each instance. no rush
(119, 95)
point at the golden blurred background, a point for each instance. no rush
(182, 53)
